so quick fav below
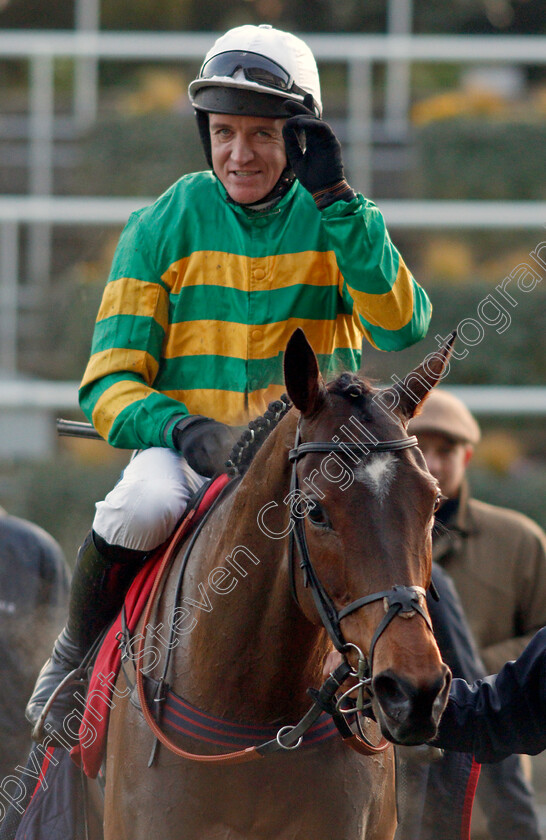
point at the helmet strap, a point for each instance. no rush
(204, 134)
(286, 179)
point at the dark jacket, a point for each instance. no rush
(497, 561)
(503, 714)
(34, 581)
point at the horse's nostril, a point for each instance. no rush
(408, 712)
(394, 701)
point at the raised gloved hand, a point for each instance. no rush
(204, 443)
(314, 153)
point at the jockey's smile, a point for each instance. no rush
(248, 154)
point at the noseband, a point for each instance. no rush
(403, 600)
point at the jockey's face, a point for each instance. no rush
(248, 154)
(446, 459)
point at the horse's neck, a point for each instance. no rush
(251, 653)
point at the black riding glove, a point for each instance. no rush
(204, 443)
(315, 157)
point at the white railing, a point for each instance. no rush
(399, 213)
(494, 400)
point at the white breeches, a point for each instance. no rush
(145, 505)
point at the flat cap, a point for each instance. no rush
(445, 414)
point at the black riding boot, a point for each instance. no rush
(99, 584)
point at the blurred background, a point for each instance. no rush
(441, 108)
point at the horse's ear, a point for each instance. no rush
(406, 397)
(304, 383)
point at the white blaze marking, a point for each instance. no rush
(377, 474)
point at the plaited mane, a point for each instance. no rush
(254, 436)
(348, 385)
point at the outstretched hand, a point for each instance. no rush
(314, 153)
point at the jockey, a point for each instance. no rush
(206, 287)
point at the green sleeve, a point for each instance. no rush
(394, 310)
(117, 392)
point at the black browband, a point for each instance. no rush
(342, 446)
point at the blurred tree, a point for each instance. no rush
(479, 16)
(20, 14)
(138, 154)
(143, 15)
(516, 356)
(481, 158)
(464, 16)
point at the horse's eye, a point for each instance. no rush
(317, 514)
(438, 501)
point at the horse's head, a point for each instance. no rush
(363, 509)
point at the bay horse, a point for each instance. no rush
(272, 587)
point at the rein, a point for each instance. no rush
(403, 600)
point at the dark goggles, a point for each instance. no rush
(256, 68)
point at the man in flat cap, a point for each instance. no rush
(497, 561)
(496, 557)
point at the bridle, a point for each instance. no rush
(399, 600)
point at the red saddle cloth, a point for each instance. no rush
(101, 696)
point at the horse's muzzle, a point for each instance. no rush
(408, 714)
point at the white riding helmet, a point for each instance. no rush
(253, 70)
